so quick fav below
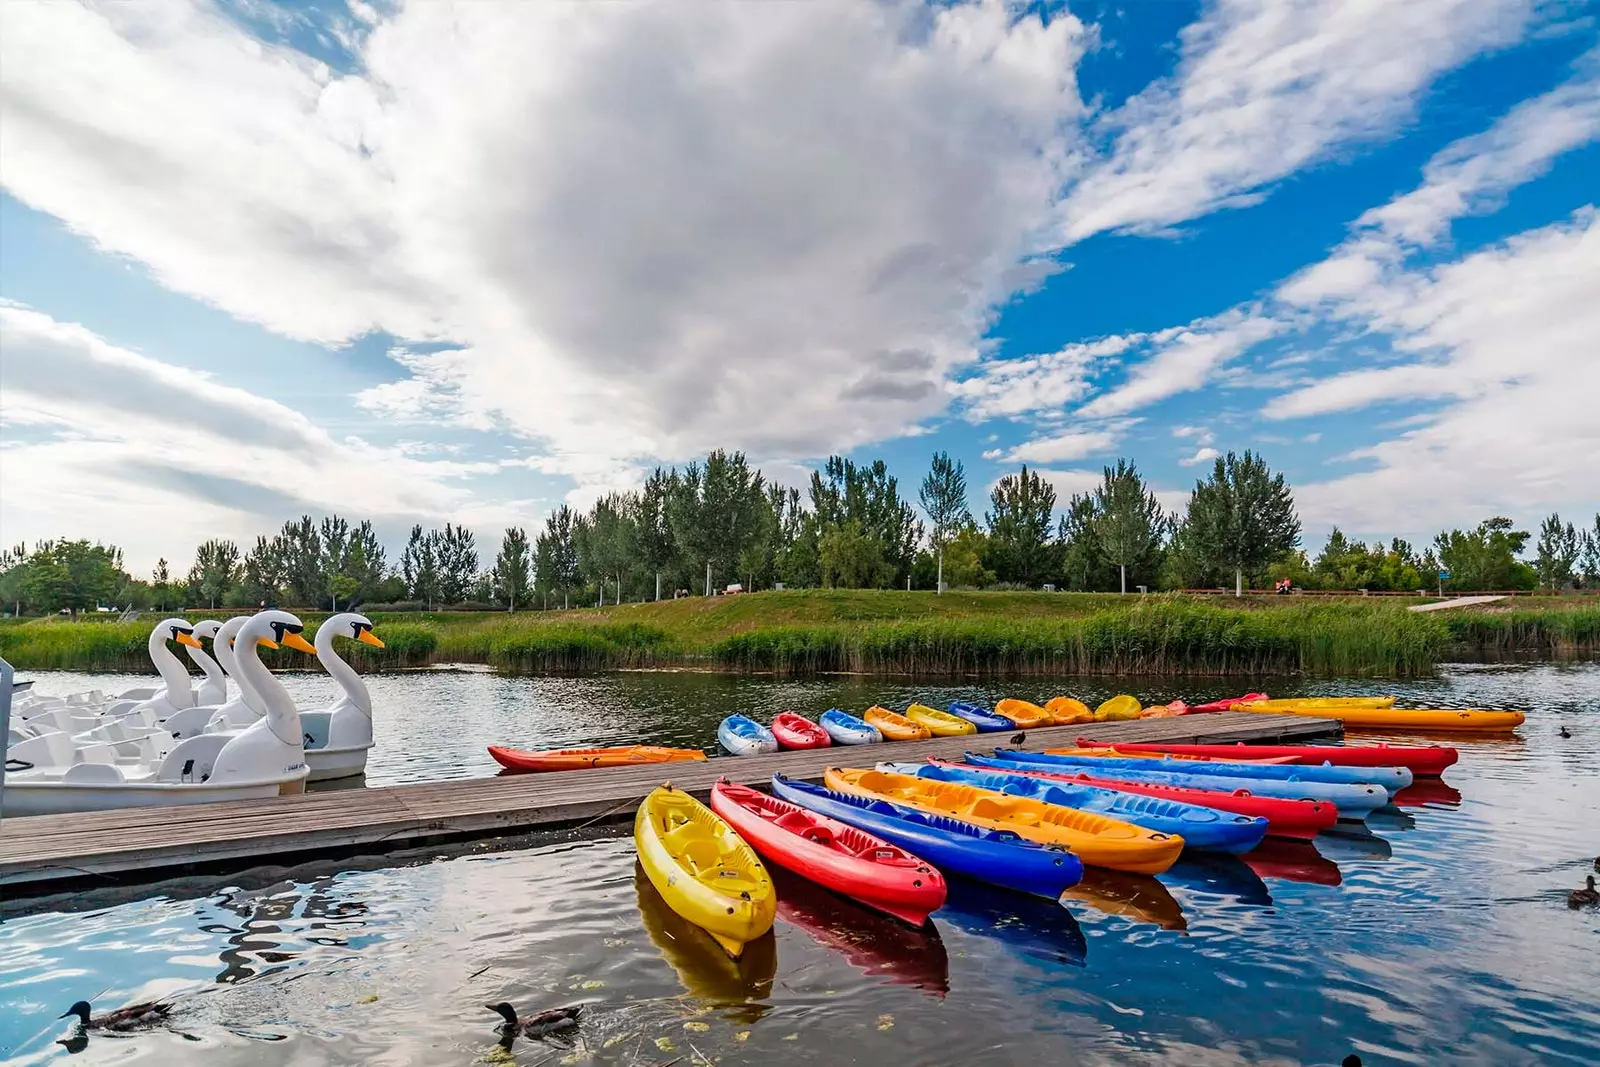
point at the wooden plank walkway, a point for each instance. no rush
(41, 852)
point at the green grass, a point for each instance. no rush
(884, 632)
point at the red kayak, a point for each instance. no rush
(833, 854)
(1424, 761)
(1225, 704)
(1285, 818)
(797, 731)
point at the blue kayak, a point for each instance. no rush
(998, 857)
(1201, 828)
(846, 729)
(987, 722)
(1352, 801)
(743, 736)
(1392, 779)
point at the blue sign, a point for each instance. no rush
(1444, 575)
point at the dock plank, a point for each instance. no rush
(40, 852)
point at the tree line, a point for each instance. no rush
(699, 529)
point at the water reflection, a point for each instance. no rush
(1353, 841)
(1428, 792)
(1293, 861)
(874, 944)
(741, 988)
(1031, 925)
(1129, 896)
(1221, 874)
(328, 914)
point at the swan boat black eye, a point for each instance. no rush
(358, 628)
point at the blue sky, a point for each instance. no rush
(426, 262)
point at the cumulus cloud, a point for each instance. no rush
(635, 231)
(1076, 444)
(1183, 360)
(1203, 454)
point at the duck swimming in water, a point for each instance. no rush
(133, 1017)
(1564, 732)
(545, 1022)
(1587, 897)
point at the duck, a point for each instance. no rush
(1565, 732)
(545, 1022)
(1017, 739)
(1587, 897)
(133, 1017)
(1351, 1060)
(1597, 863)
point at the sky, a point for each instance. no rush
(429, 261)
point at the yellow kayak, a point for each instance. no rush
(1446, 719)
(1286, 703)
(939, 723)
(703, 870)
(894, 726)
(1120, 708)
(1065, 711)
(1023, 714)
(1095, 839)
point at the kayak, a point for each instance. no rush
(1423, 761)
(1465, 720)
(1285, 818)
(940, 723)
(1096, 840)
(986, 722)
(1226, 702)
(996, 857)
(840, 857)
(797, 731)
(896, 727)
(1023, 715)
(702, 869)
(575, 759)
(1120, 708)
(846, 729)
(1392, 779)
(1288, 703)
(1206, 829)
(1353, 801)
(1065, 711)
(743, 736)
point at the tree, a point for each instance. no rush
(1020, 548)
(944, 498)
(715, 511)
(14, 576)
(1559, 550)
(511, 567)
(870, 497)
(299, 550)
(1243, 517)
(215, 570)
(851, 559)
(1486, 558)
(71, 574)
(1591, 554)
(556, 553)
(419, 566)
(605, 541)
(1129, 523)
(161, 584)
(1083, 563)
(652, 531)
(457, 553)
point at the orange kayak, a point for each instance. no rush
(1024, 715)
(896, 727)
(577, 759)
(1469, 720)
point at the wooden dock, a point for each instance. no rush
(46, 853)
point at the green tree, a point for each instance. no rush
(844, 491)
(14, 577)
(556, 554)
(716, 512)
(853, 559)
(1020, 547)
(215, 570)
(298, 548)
(73, 575)
(1486, 558)
(1129, 523)
(1083, 564)
(511, 568)
(1242, 517)
(457, 553)
(1559, 549)
(161, 585)
(655, 543)
(606, 541)
(964, 556)
(1591, 554)
(263, 577)
(419, 566)
(944, 498)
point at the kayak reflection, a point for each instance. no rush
(1040, 928)
(1353, 841)
(1216, 872)
(1128, 896)
(1427, 792)
(870, 942)
(706, 972)
(1293, 861)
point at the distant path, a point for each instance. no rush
(1458, 602)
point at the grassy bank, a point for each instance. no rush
(881, 632)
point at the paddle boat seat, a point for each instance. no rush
(92, 774)
(44, 750)
(191, 760)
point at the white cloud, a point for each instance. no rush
(157, 458)
(1201, 455)
(1184, 360)
(1034, 384)
(1076, 444)
(1265, 88)
(644, 230)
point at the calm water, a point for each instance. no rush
(1437, 935)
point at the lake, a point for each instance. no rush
(1437, 933)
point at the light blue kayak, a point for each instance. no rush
(1201, 828)
(743, 736)
(1352, 801)
(846, 729)
(1392, 779)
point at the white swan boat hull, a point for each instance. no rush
(23, 797)
(329, 764)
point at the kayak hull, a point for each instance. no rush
(1447, 720)
(703, 869)
(847, 729)
(797, 731)
(1423, 761)
(1392, 779)
(1023, 715)
(1202, 828)
(986, 722)
(848, 860)
(577, 759)
(743, 736)
(940, 723)
(998, 858)
(896, 727)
